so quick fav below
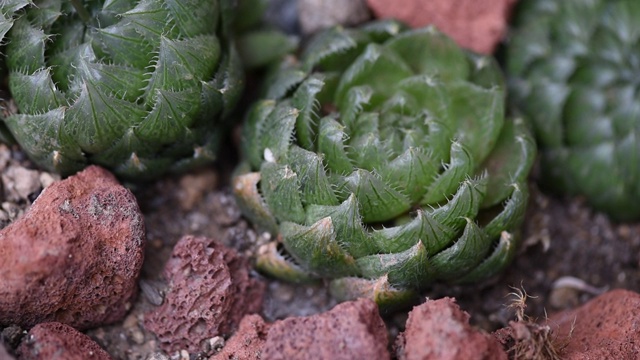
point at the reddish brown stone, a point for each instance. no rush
(74, 257)
(57, 341)
(209, 292)
(4, 354)
(606, 327)
(247, 342)
(478, 25)
(439, 329)
(351, 330)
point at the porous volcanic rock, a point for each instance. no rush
(478, 25)
(57, 341)
(209, 292)
(439, 329)
(247, 342)
(607, 327)
(75, 255)
(351, 330)
(4, 354)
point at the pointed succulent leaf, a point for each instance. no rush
(251, 202)
(378, 201)
(37, 92)
(279, 185)
(348, 225)
(97, 119)
(433, 234)
(502, 255)
(272, 261)
(464, 255)
(317, 249)
(305, 99)
(512, 213)
(510, 161)
(459, 167)
(331, 143)
(45, 140)
(315, 185)
(403, 269)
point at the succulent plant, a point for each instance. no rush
(382, 159)
(142, 87)
(573, 68)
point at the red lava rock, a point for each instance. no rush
(351, 330)
(4, 354)
(439, 329)
(57, 341)
(74, 257)
(209, 292)
(478, 25)
(606, 327)
(247, 342)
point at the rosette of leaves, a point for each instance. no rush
(381, 159)
(573, 69)
(142, 87)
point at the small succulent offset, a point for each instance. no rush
(574, 71)
(141, 87)
(381, 159)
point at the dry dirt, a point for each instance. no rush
(569, 254)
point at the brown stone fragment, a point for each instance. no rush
(4, 354)
(351, 330)
(478, 25)
(607, 327)
(440, 330)
(247, 342)
(75, 256)
(209, 292)
(57, 341)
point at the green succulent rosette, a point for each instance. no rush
(142, 87)
(381, 159)
(574, 68)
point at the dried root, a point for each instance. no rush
(524, 338)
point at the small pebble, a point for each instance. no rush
(316, 15)
(158, 356)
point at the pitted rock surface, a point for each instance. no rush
(351, 330)
(607, 327)
(209, 292)
(440, 330)
(57, 341)
(75, 256)
(478, 25)
(247, 342)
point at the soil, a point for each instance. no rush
(568, 255)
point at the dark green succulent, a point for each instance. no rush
(141, 87)
(381, 159)
(575, 72)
